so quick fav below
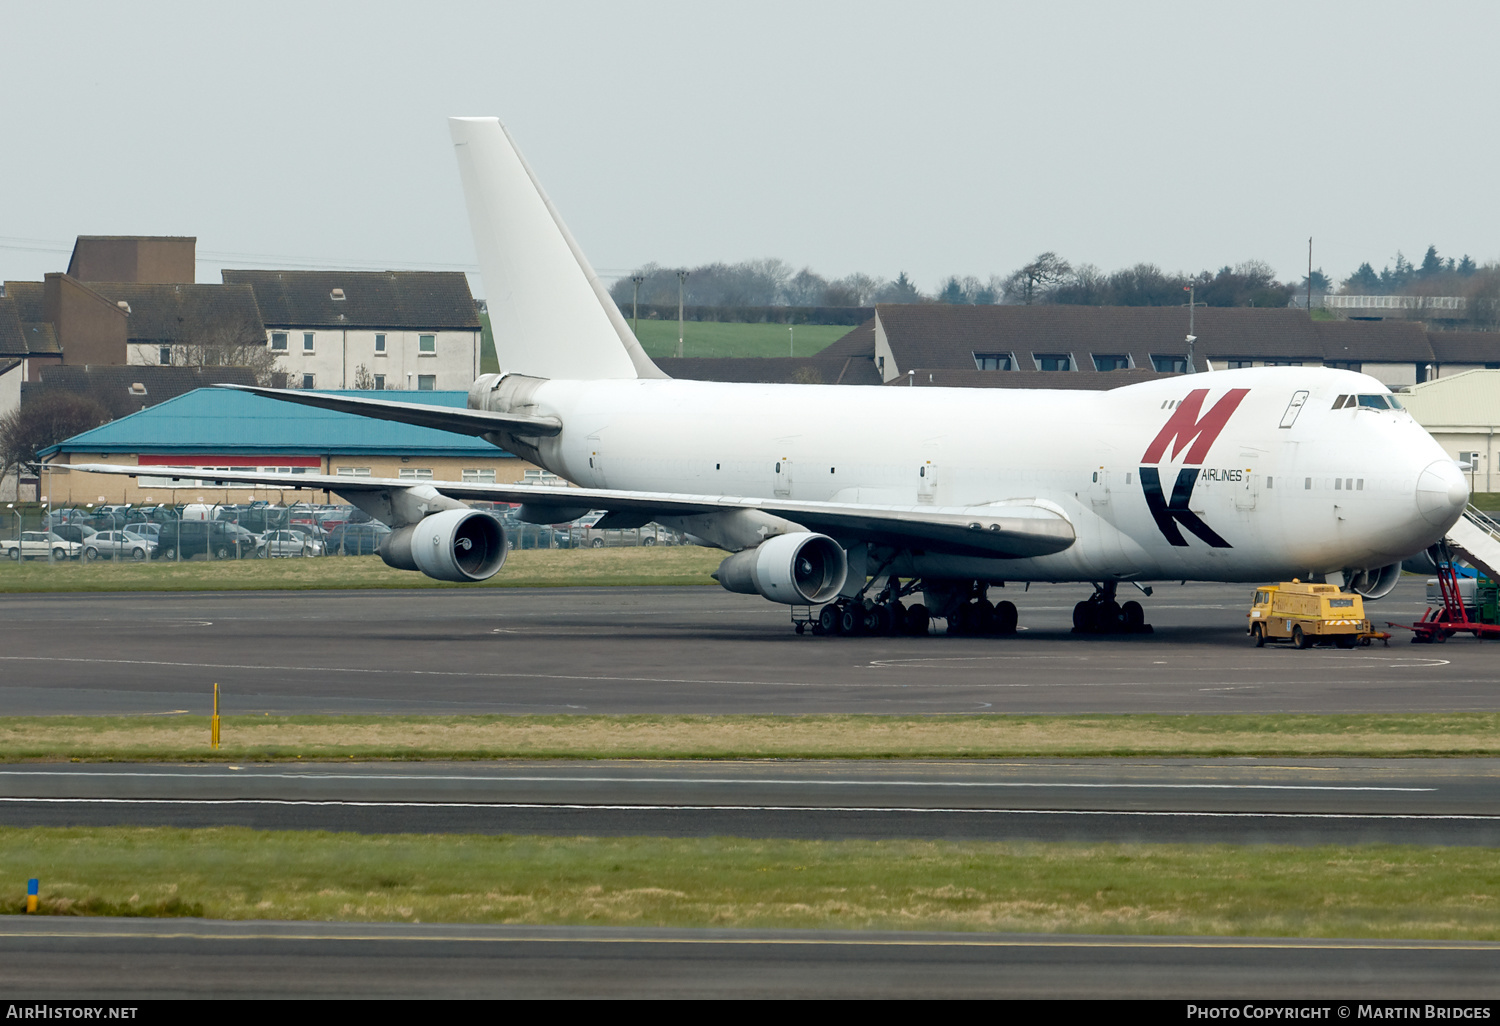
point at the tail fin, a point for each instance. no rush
(551, 315)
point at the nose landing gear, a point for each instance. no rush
(1100, 613)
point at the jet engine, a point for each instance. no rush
(460, 545)
(1375, 583)
(798, 569)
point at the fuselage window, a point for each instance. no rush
(1360, 485)
(1348, 484)
(1309, 484)
(1270, 481)
(1338, 484)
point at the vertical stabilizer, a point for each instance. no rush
(551, 316)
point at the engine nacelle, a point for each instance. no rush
(460, 545)
(798, 569)
(1375, 583)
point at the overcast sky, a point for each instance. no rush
(935, 138)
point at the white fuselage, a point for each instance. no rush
(1331, 490)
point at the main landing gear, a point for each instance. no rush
(885, 614)
(1101, 614)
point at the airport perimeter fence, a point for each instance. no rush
(228, 543)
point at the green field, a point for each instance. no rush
(526, 568)
(710, 338)
(1221, 890)
(184, 738)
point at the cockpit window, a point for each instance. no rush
(1395, 403)
(1373, 402)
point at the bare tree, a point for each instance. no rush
(224, 343)
(1032, 282)
(50, 418)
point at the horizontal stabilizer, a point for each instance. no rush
(444, 418)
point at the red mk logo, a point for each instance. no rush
(1186, 427)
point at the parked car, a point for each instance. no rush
(282, 543)
(357, 539)
(585, 534)
(184, 539)
(37, 545)
(122, 544)
(75, 532)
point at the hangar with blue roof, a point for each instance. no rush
(222, 429)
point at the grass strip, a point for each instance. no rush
(1221, 890)
(176, 738)
(529, 568)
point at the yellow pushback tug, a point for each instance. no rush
(1307, 615)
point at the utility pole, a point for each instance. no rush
(635, 305)
(681, 285)
(1191, 338)
(1309, 276)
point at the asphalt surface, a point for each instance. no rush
(681, 650)
(1402, 801)
(704, 650)
(125, 959)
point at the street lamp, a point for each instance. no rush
(635, 305)
(682, 277)
(1191, 338)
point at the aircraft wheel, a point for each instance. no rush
(1005, 617)
(1258, 633)
(829, 619)
(1134, 616)
(1083, 618)
(879, 620)
(852, 619)
(1299, 639)
(982, 616)
(1108, 618)
(918, 621)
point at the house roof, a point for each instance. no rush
(225, 422)
(181, 313)
(1373, 341)
(858, 342)
(928, 377)
(433, 300)
(127, 389)
(29, 297)
(948, 336)
(12, 339)
(1465, 346)
(810, 370)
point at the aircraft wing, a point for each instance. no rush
(1011, 530)
(445, 418)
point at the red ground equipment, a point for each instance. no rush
(1440, 624)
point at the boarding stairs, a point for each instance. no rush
(1476, 537)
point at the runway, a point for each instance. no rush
(685, 650)
(124, 959)
(1407, 801)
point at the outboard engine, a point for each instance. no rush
(1424, 562)
(800, 569)
(461, 545)
(1375, 583)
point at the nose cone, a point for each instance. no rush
(1442, 494)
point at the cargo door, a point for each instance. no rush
(782, 479)
(927, 482)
